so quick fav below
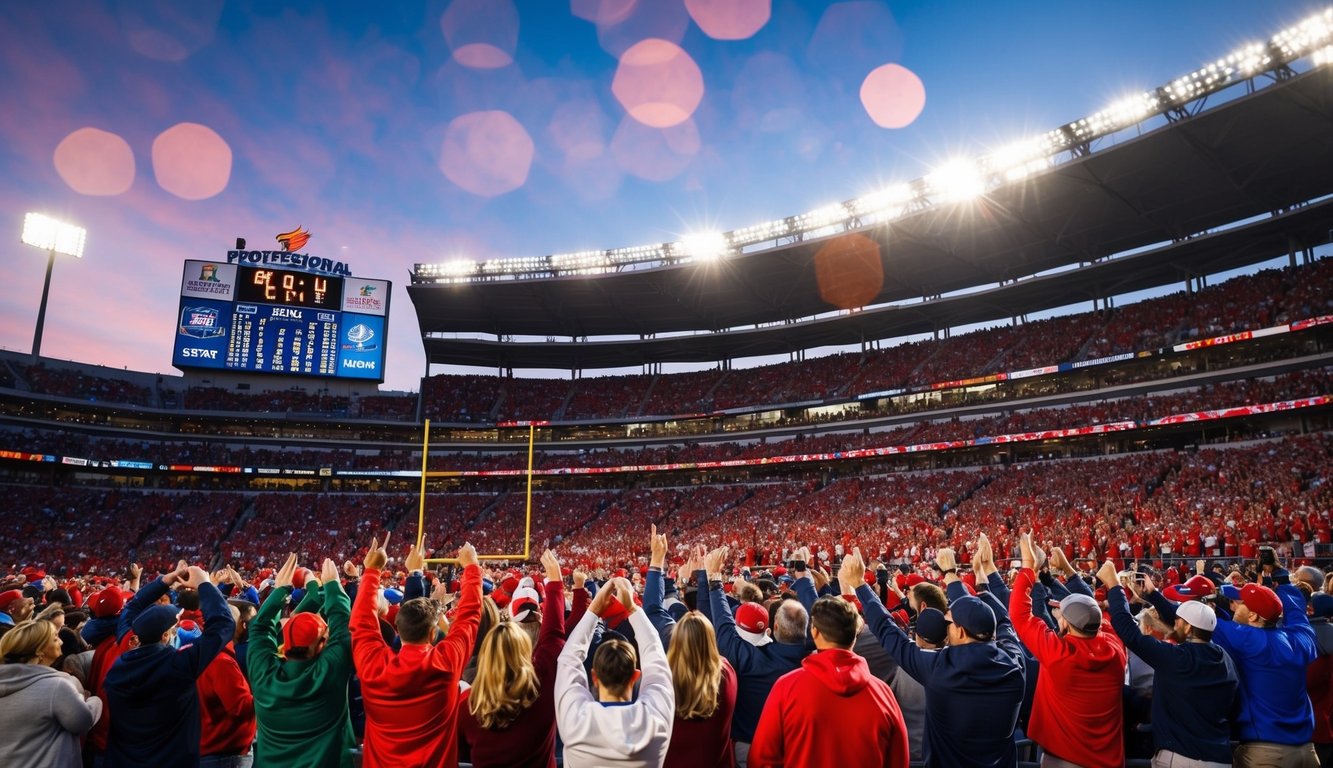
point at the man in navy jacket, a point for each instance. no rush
(974, 686)
(1194, 683)
(152, 687)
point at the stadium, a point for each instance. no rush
(1117, 336)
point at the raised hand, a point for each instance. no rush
(624, 592)
(416, 558)
(177, 576)
(351, 570)
(1025, 551)
(551, 564)
(135, 571)
(602, 600)
(196, 577)
(328, 572)
(467, 555)
(1061, 563)
(377, 556)
(821, 577)
(713, 561)
(852, 572)
(946, 559)
(283, 578)
(579, 579)
(658, 546)
(1108, 575)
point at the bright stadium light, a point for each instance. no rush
(704, 246)
(957, 181)
(54, 237)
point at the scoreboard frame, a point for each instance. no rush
(281, 322)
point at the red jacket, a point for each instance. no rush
(104, 656)
(226, 707)
(1077, 711)
(1319, 686)
(530, 740)
(830, 712)
(411, 697)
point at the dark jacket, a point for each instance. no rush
(1193, 690)
(757, 668)
(973, 691)
(152, 688)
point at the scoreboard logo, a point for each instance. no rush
(368, 297)
(208, 280)
(200, 323)
(360, 336)
(293, 241)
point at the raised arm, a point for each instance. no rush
(369, 651)
(918, 663)
(262, 654)
(452, 654)
(218, 626)
(144, 598)
(654, 590)
(551, 638)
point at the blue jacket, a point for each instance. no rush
(757, 667)
(1193, 690)
(973, 691)
(152, 688)
(1274, 705)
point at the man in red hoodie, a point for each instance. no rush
(794, 729)
(1077, 715)
(411, 697)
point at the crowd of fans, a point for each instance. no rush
(958, 619)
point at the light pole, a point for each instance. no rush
(55, 237)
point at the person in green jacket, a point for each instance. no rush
(301, 692)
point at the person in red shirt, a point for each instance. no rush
(795, 730)
(226, 708)
(411, 697)
(507, 717)
(1077, 715)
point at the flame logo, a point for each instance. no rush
(295, 240)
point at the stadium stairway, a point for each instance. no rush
(247, 512)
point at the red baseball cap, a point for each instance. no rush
(1196, 586)
(1258, 598)
(303, 630)
(106, 603)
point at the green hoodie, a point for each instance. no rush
(301, 705)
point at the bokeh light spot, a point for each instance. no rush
(658, 83)
(95, 162)
(655, 154)
(647, 19)
(602, 11)
(849, 271)
(191, 161)
(168, 30)
(730, 19)
(486, 153)
(482, 34)
(893, 96)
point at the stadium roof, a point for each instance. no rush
(1262, 153)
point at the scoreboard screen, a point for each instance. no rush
(263, 320)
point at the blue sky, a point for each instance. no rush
(215, 120)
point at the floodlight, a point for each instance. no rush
(457, 267)
(704, 246)
(957, 180)
(1323, 56)
(53, 235)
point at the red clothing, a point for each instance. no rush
(530, 740)
(1319, 686)
(104, 656)
(226, 707)
(707, 742)
(411, 697)
(1077, 712)
(795, 728)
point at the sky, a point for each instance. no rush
(406, 132)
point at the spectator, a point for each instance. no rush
(152, 688)
(1194, 680)
(1319, 677)
(507, 717)
(300, 688)
(1275, 722)
(1077, 716)
(794, 729)
(757, 667)
(45, 712)
(974, 686)
(14, 608)
(411, 697)
(608, 728)
(226, 709)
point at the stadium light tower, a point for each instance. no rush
(55, 237)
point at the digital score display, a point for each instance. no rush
(278, 321)
(280, 286)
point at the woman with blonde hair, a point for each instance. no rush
(705, 687)
(507, 717)
(45, 712)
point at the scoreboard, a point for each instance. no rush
(265, 320)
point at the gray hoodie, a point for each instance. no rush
(44, 713)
